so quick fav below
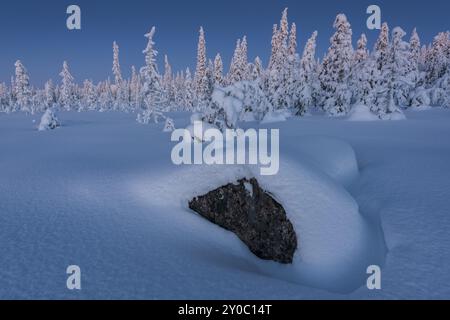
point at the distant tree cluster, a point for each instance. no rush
(396, 74)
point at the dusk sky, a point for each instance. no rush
(36, 33)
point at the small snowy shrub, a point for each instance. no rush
(239, 102)
(169, 126)
(420, 98)
(49, 121)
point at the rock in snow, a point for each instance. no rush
(253, 215)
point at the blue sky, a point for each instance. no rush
(35, 30)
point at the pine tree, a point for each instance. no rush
(119, 89)
(336, 70)
(309, 82)
(393, 84)
(293, 77)
(22, 88)
(105, 96)
(152, 90)
(179, 90)
(116, 65)
(239, 64)
(256, 71)
(50, 97)
(414, 61)
(277, 82)
(4, 98)
(67, 98)
(363, 74)
(135, 89)
(218, 71)
(415, 48)
(437, 60)
(168, 82)
(202, 89)
(382, 47)
(361, 53)
(292, 50)
(89, 95)
(275, 46)
(189, 97)
(243, 61)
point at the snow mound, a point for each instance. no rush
(362, 113)
(49, 121)
(333, 156)
(332, 234)
(275, 116)
(395, 116)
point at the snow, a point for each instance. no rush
(362, 113)
(274, 116)
(48, 121)
(104, 195)
(333, 156)
(332, 234)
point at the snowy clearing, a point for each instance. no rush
(101, 192)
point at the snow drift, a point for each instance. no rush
(333, 235)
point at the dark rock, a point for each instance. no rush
(253, 215)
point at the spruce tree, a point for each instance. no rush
(22, 89)
(67, 98)
(202, 85)
(336, 70)
(152, 89)
(218, 71)
(309, 83)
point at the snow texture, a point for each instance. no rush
(99, 195)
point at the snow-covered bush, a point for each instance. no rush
(243, 100)
(361, 112)
(420, 97)
(169, 126)
(49, 121)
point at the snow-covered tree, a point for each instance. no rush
(414, 66)
(178, 85)
(294, 79)
(361, 53)
(189, 92)
(168, 82)
(256, 70)
(437, 59)
(135, 89)
(119, 89)
(152, 90)
(169, 126)
(4, 98)
(49, 121)
(67, 98)
(277, 82)
(201, 81)
(309, 81)
(437, 68)
(401, 71)
(240, 101)
(336, 70)
(50, 96)
(22, 89)
(239, 64)
(90, 99)
(116, 65)
(105, 96)
(218, 71)
(393, 85)
(364, 75)
(381, 49)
